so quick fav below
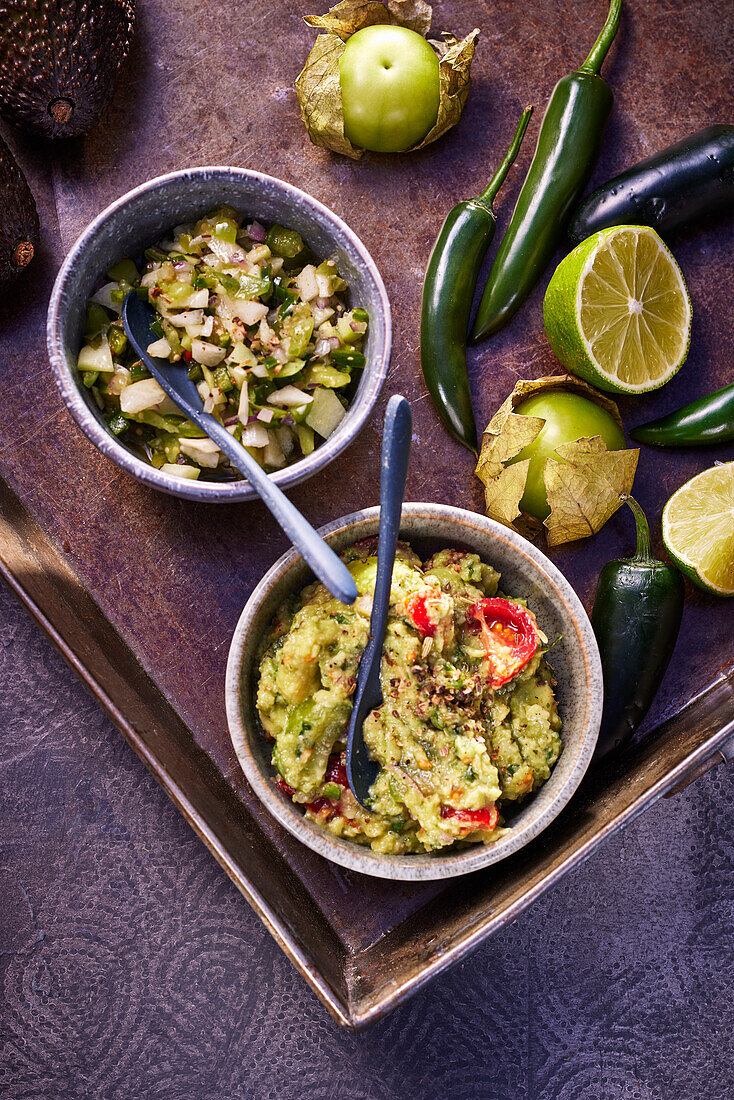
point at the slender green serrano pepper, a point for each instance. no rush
(568, 146)
(451, 278)
(704, 422)
(636, 618)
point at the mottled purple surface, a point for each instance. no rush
(130, 967)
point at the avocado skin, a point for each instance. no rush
(59, 61)
(18, 219)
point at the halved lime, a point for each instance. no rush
(617, 312)
(698, 529)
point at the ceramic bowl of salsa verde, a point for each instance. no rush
(575, 671)
(145, 216)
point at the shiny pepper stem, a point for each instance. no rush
(600, 49)
(568, 145)
(489, 194)
(644, 545)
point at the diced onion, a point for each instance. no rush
(289, 396)
(325, 285)
(266, 415)
(96, 358)
(306, 283)
(255, 435)
(145, 394)
(178, 469)
(224, 250)
(250, 313)
(102, 297)
(243, 409)
(203, 451)
(159, 349)
(324, 347)
(187, 317)
(273, 454)
(208, 354)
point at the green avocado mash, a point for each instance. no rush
(468, 720)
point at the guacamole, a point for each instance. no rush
(468, 720)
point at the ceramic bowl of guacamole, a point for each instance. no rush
(492, 697)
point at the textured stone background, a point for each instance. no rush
(131, 968)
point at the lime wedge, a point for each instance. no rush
(617, 312)
(698, 529)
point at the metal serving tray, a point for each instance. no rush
(141, 592)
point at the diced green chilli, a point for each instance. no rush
(284, 242)
(117, 423)
(346, 359)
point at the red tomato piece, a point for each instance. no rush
(336, 771)
(416, 607)
(509, 635)
(485, 819)
(187, 356)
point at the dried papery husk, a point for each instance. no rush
(318, 88)
(585, 484)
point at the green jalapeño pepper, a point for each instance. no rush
(568, 145)
(703, 422)
(451, 278)
(636, 618)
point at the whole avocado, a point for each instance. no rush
(59, 61)
(18, 219)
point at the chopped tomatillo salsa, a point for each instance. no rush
(469, 718)
(262, 326)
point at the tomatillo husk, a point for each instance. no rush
(585, 485)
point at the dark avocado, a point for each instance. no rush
(18, 218)
(59, 61)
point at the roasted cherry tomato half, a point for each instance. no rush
(416, 607)
(509, 635)
(484, 819)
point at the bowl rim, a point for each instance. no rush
(203, 491)
(418, 867)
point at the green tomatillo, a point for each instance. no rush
(389, 79)
(568, 417)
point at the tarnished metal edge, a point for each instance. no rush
(354, 1013)
(719, 744)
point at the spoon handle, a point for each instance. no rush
(329, 568)
(395, 455)
(362, 771)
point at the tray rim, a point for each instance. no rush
(345, 1004)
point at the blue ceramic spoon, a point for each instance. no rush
(174, 379)
(361, 770)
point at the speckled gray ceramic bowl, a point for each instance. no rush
(525, 572)
(142, 217)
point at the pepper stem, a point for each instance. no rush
(644, 545)
(488, 196)
(600, 48)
